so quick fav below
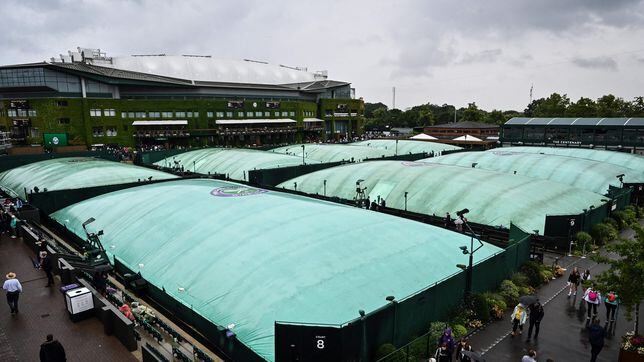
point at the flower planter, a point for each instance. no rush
(630, 356)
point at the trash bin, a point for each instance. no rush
(80, 303)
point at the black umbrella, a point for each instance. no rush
(528, 299)
(474, 356)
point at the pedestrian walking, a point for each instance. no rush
(463, 346)
(536, 315)
(46, 264)
(596, 336)
(448, 340)
(13, 288)
(13, 224)
(448, 221)
(519, 316)
(442, 354)
(593, 299)
(573, 281)
(531, 356)
(52, 351)
(611, 302)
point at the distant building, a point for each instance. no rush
(607, 133)
(86, 98)
(453, 130)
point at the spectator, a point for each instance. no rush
(442, 354)
(596, 336)
(448, 220)
(593, 299)
(46, 265)
(448, 340)
(536, 315)
(52, 351)
(531, 356)
(13, 288)
(519, 316)
(611, 302)
(13, 224)
(573, 281)
(463, 345)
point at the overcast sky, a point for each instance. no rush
(488, 52)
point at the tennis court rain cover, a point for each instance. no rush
(251, 257)
(408, 146)
(493, 198)
(233, 162)
(73, 173)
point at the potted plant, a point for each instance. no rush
(632, 348)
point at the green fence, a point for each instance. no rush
(401, 320)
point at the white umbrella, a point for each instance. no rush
(422, 136)
(467, 138)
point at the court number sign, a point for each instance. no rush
(319, 342)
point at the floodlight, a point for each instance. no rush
(390, 298)
(362, 313)
(464, 250)
(462, 212)
(461, 266)
(88, 221)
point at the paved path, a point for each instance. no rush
(42, 311)
(563, 335)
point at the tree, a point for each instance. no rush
(584, 107)
(370, 107)
(611, 106)
(472, 113)
(625, 276)
(553, 106)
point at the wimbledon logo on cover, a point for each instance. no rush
(236, 191)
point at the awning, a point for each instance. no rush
(468, 137)
(161, 123)
(423, 136)
(312, 120)
(254, 121)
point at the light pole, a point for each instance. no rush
(572, 223)
(324, 187)
(363, 350)
(454, 113)
(405, 200)
(393, 301)
(396, 152)
(303, 155)
(471, 251)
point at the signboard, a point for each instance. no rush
(79, 300)
(307, 343)
(23, 104)
(55, 139)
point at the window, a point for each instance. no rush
(123, 115)
(249, 114)
(154, 114)
(139, 114)
(180, 114)
(210, 114)
(35, 133)
(166, 114)
(97, 131)
(130, 114)
(12, 113)
(328, 112)
(32, 112)
(284, 114)
(195, 114)
(258, 114)
(240, 114)
(63, 120)
(189, 114)
(291, 113)
(94, 112)
(229, 114)
(277, 114)
(110, 131)
(267, 114)
(109, 112)
(22, 113)
(61, 103)
(220, 114)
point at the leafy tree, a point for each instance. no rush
(611, 106)
(625, 276)
(370, 107)
(472, 113)
(584, 107)
(553, 106)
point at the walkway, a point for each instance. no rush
(563, 335)
(42, 311)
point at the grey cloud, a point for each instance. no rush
(485, 56)
(596, 63)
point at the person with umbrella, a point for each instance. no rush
(462, 347)
(536, 315)
(447, 339)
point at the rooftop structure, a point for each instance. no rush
(493, 198)
(253, 257)
(73, 173)
(234, 163)
(582, 173)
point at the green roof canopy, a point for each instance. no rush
(73, 173)
(493, 198)
(332, 152)
(578, 172)
(634, 162)
(251, 257)
(408, 146)
(234, 162)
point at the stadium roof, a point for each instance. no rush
(256, 257)
(585, 174)
(331, 152)
(617, 122)
(408, 146)
(73, 173)
(493, 198)
(623, 159)
(234, 162)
